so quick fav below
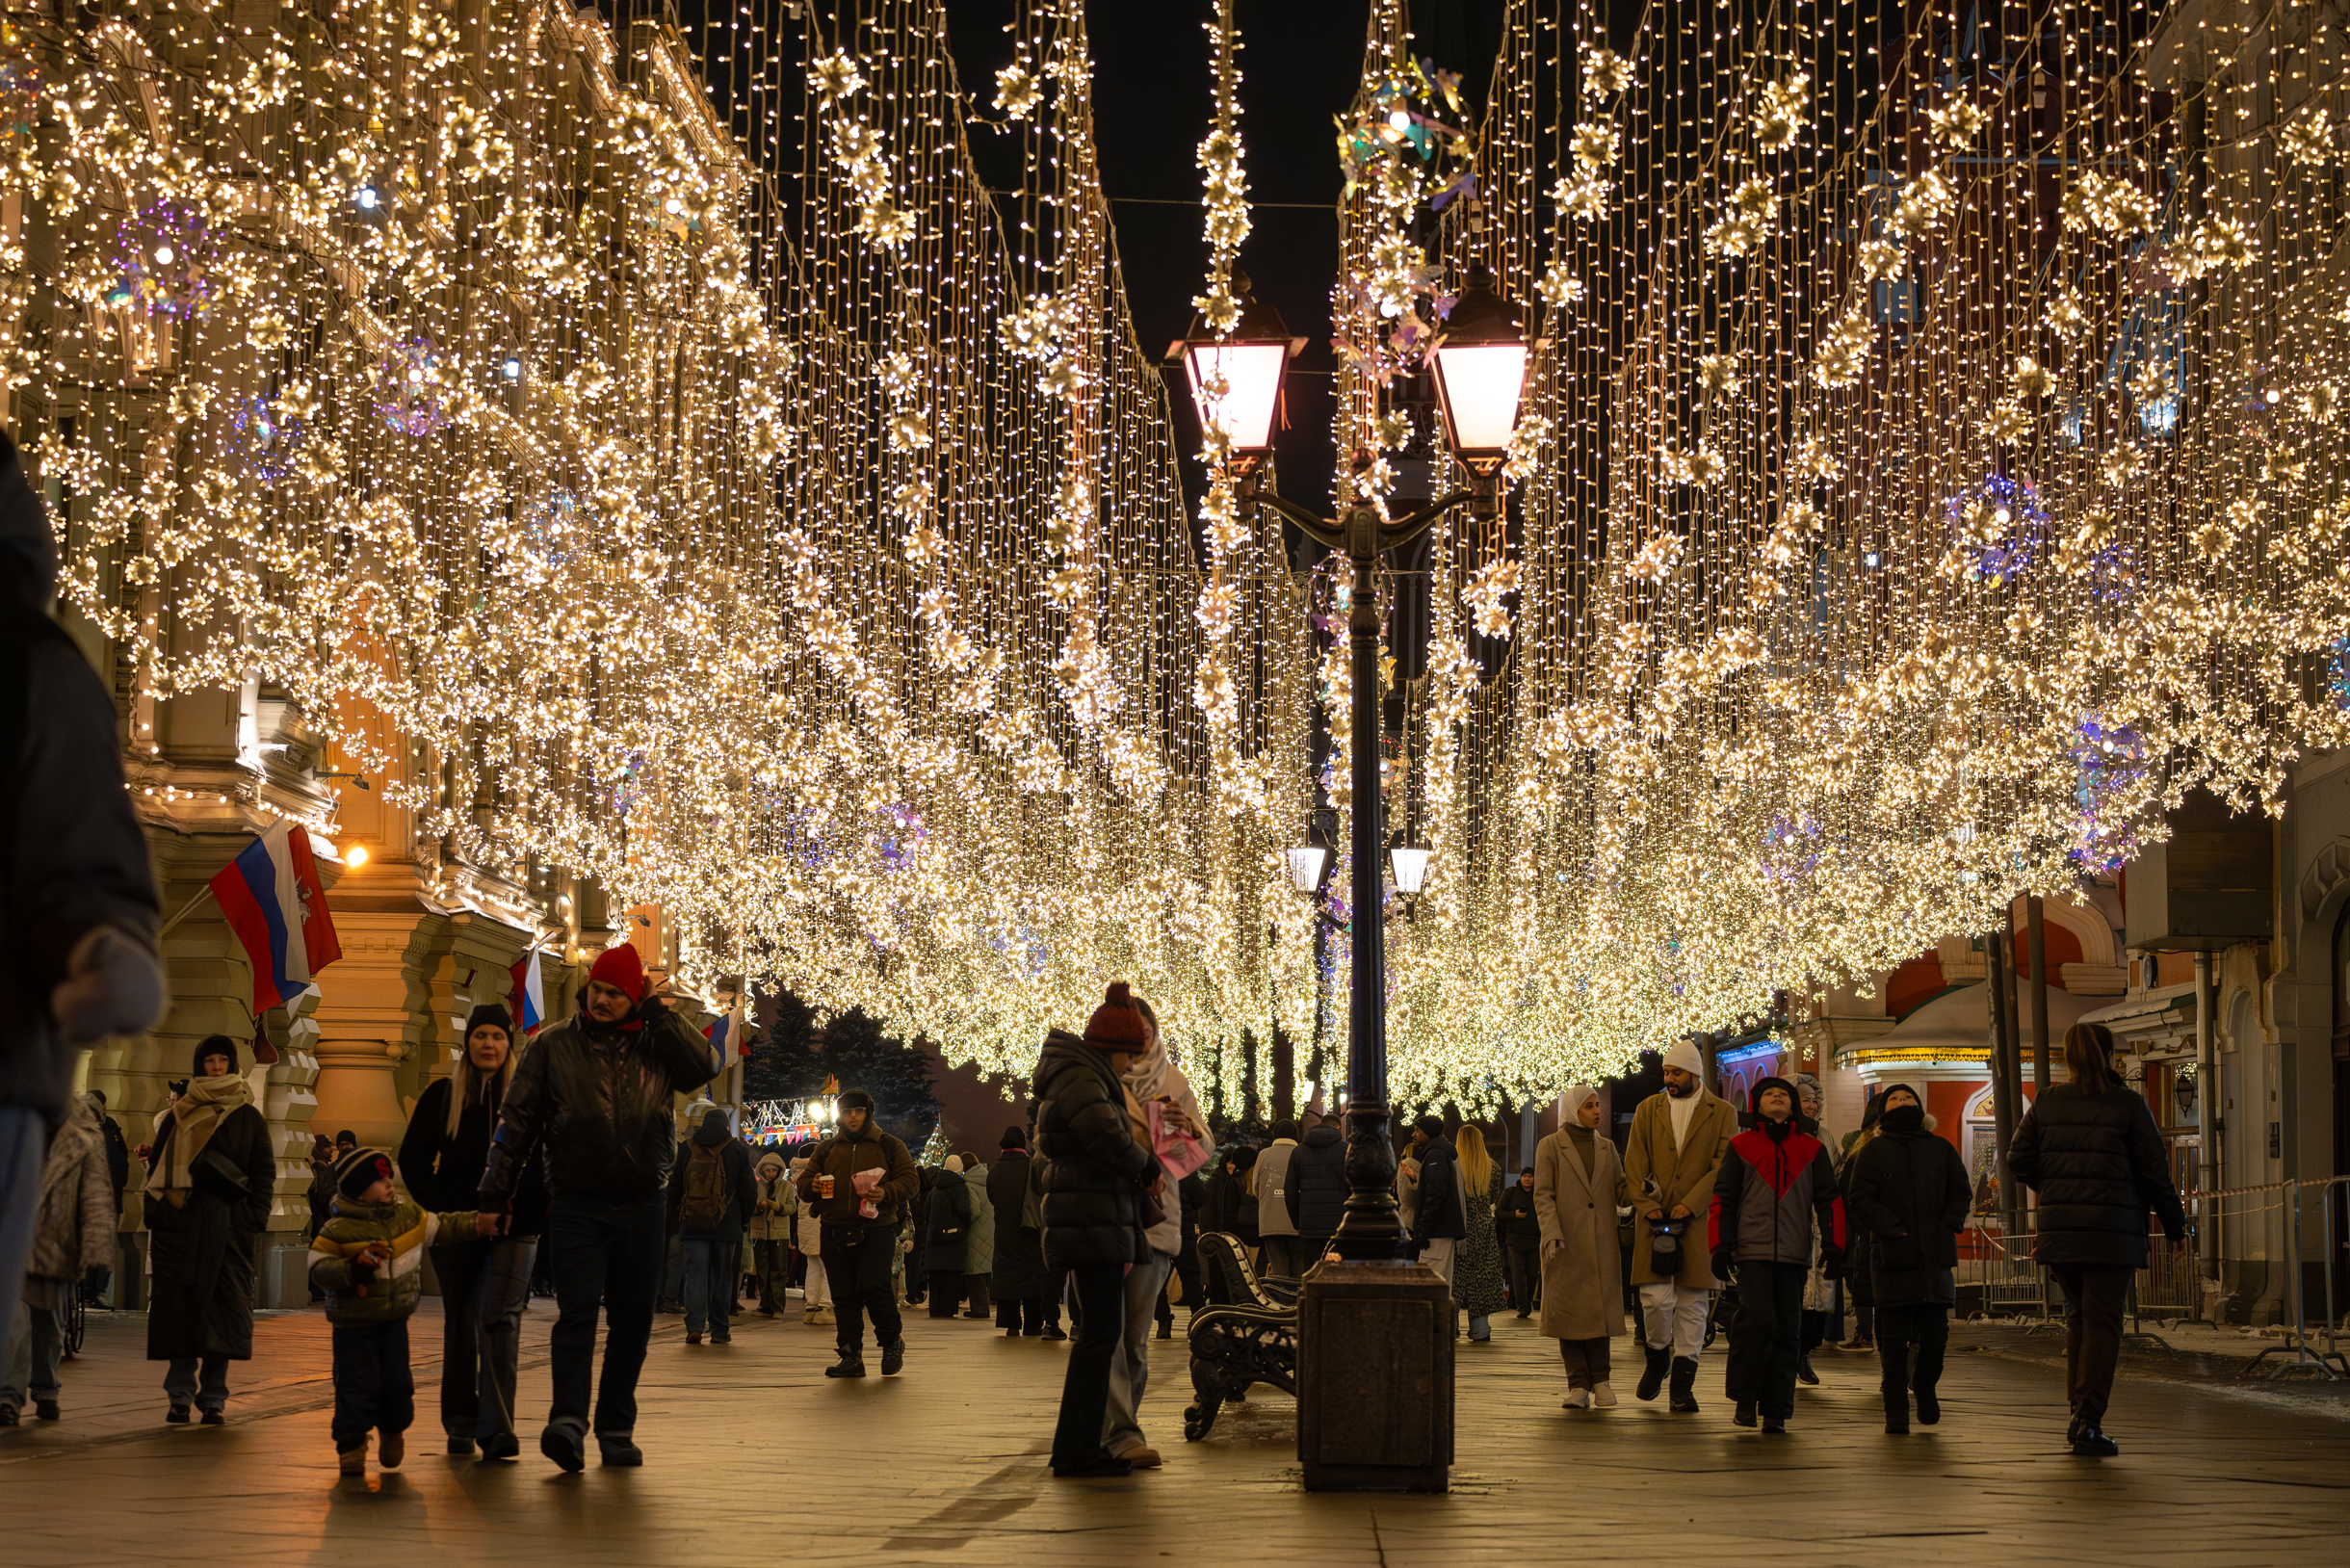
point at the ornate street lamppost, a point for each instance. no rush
(1380, 1417)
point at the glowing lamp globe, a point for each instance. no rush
(1408, 859)
(1249, 362)
(1480, 374)
(1310, 862)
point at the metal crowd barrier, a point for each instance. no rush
(1997, 1267)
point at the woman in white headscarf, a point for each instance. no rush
(1579, 1181)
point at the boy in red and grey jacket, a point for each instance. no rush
(1775, 1183)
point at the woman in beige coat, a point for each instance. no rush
(1578, 1184)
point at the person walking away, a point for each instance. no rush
(1476, 1283)
(598, 1091)
(1678, 1139)
(1520, 1232)
(859, 1186)
(208, 1195)
(1859, 1278)
(368, 1260)
(1016, 1267)
(1095, 1177)
(73, 1248)
(1776, 1182)
(1149, 1079)
(771, 1214)
(808, 1235)
(118, 1152)
(1276, 1220)
(947, 1238)
(1578, 1182)
(714, 1191)
(1908, 1190)
(78, 912)
(981, 1252)
(1441, 1220)
(1317, 1189)
(1220, 1214)
(2089, 1147)
(1407, 1178)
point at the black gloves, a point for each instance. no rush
(1720, 1262)
(1832, 1263)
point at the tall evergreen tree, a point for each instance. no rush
(788, 1065)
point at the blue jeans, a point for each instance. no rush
(180, 1381)
(607, 1253)
(374, 1389)
(709, 1282)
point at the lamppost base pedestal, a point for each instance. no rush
(1375, 1378)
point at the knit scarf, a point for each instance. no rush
(194, 1120)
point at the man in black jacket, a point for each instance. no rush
(1441, 1222)
(1093, 1190)
(862, 1185)
(1520, 1230)
(78, 910)
(596, 1090)
(713, 1189)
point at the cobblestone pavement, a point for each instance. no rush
(753, 1458)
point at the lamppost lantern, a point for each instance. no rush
(2184, 1087)
(1249, 362)
(1480, 374)
(1310, 861)
(1408, 859)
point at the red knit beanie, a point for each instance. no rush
(620, 967)
(1116, 1025)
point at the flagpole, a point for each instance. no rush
(185, 909)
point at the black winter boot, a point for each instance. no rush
(1652, 1380)
(1685, 1386)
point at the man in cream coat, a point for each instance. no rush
(1678, 1140)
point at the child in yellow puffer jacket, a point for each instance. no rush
(369, 1260)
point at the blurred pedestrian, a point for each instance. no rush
(713, 1186)
(1520, 1232)
(981, 1253)
(73, 1249)
(1017, 1271)
(947, 1237)
(78, 911)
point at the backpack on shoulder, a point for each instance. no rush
(704, 1208)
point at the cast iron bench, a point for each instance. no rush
(1250, 1338)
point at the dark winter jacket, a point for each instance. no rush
(1095, 1171)
(841, 1156)
(1442, 1212)
(202, 1251)
(741, 1183)
(1775, 1183)
(117, 1155)
(1017, 1270)
(1908, 1190)
(1317, 1183)
(2099, 1165)
(600, 1098)
(71, 855)
(1515, 1222)
(443, 1174)
(946, 1239)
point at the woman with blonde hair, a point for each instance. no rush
(1476, 1283)
(484, 1281)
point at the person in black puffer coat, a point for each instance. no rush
(1520, 1230)
(1909, 1189)
(1317, 1189)
(2090, 1149)
(1441, 1222)
(485, 1280)
(1094, 1186)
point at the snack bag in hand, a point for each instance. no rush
(868, 1183)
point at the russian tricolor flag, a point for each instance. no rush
(725, 1034)
(528, 1001)
(277, 907)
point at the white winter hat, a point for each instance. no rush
(1683, 1054)
(955, 1163)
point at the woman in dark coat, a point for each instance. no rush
(1857, 1285)
(1094, 1188)
(484, 1281)
(1909, 1191)
(947, 1238)
(1016, 1273)
(2090, 1149)
(211, 1183)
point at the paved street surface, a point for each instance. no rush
(755, 1458)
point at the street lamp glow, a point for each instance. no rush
(1409, 862)
(1248, 363)
(1309, 863)
(1480, 374)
